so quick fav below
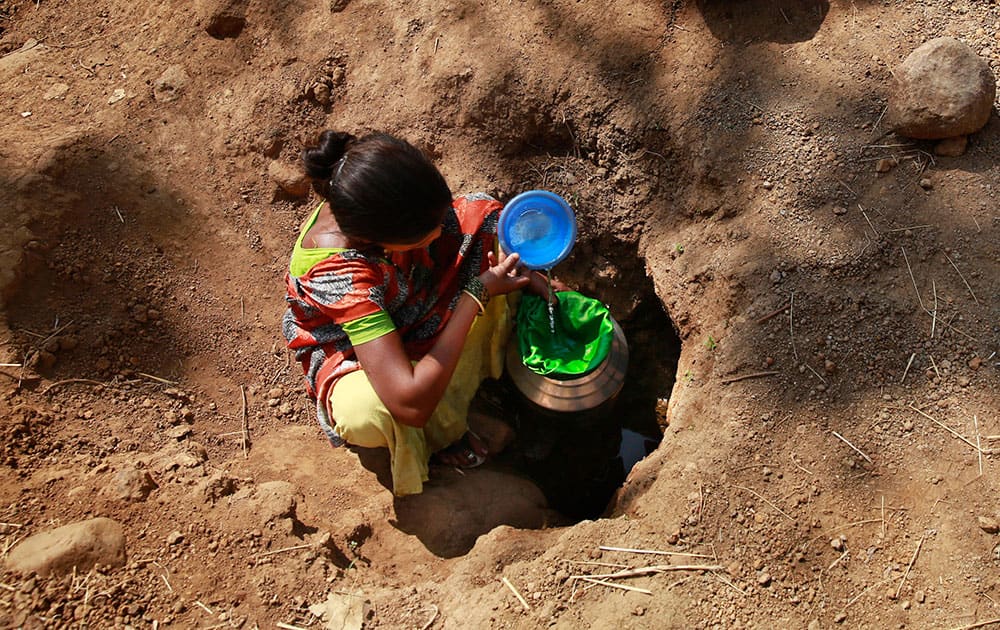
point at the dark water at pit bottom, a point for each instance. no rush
(579, 460)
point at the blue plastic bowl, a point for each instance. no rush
(540, 226)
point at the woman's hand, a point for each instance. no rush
(504, 276)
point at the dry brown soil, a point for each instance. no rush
(722, 153)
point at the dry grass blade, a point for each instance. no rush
(655, 552)
(650, 570)
(946, 428)
(69, 381)
(978, 624)
(912, 279)
(744, 377)
(245, 425)
(513, 590)
(971, 292)
(756, 494)
(623, 587)
(909, 566)
(856, 449)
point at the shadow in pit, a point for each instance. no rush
(779, 21)
(456, 508)
(93, 294)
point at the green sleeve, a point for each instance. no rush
(369, 327)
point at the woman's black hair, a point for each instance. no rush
(380, 188)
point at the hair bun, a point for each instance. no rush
(320, 159)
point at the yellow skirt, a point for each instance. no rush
(363, 420)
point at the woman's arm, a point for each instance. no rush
(412, 392)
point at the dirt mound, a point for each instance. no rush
(827, 452)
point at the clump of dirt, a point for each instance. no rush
(827, 452)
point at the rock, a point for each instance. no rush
(926, 183)
(174, 538)
(336, 6)
(951, 147)
(840, 618)
(975, 363)
(941, 90)
(764, 578)
(289, 179)
(767, 185)
(989, 525)
(919, 596)
(884, 165)
(274, 500)
(56, 92)
(80, 545)
(117, 95)
(217, 486)
(178, 432)
(170, 84)
(346, 611)
(839, 210)
(44, 360)
(275, 392)
(222, 18)
(321, 93)
(837, 544)
(271, 146)
(132, 484)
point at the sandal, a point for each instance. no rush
(463, 453)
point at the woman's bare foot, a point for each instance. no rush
(468, 452)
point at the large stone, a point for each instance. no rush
(80, 545)
(291, 180)
(943, 89)
(132, 484)
(222, 18)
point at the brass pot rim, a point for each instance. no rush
(578, 394)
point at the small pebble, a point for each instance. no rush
(840, 618)
(837, 544)
(975, 363)
(919, 596)
(764, 578)
(989, 525)
(767, 185)
(926, 183)
(174, 537)
(905, 605)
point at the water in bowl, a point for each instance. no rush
(531, 226)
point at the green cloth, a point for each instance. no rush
(303, 258)
(369, 327)
(582, 339)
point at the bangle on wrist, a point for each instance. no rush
(478, 292)
(479, 304)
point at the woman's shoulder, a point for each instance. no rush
(476, 200)
(353, 264)
(475, 209)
